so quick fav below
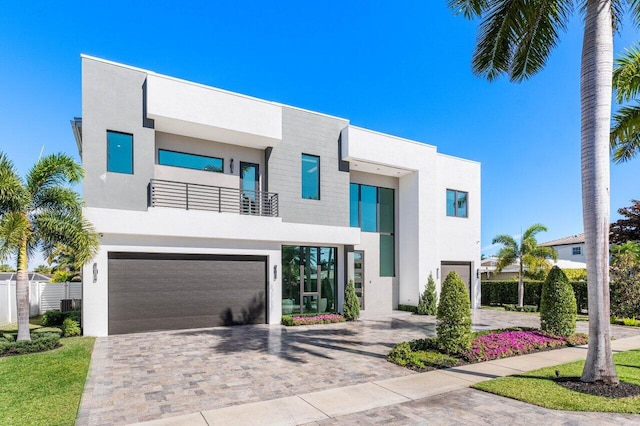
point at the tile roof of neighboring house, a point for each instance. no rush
(33, 276)
(573, 239)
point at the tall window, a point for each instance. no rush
(372, 210)
(119, 152)
(457, 203)
(190, 161)
(310, 177)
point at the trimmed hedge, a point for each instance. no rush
(39, 342)
(558, 305)
(408, 308)
(506, 293)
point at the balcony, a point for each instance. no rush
(191, 196)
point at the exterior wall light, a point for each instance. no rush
(231, 166)
(95, 272)
(275, 272)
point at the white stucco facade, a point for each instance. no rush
(165, 113)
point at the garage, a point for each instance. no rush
(159, 291)
(461, 268)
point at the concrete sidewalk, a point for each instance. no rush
(331, 403)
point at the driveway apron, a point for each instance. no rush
(147, 376)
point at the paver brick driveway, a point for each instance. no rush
(147, 376)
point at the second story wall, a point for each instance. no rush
(112, 100)
(304, 132)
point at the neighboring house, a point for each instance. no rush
(488, 269)
(33, 276)
(216, 208)
(569, 248)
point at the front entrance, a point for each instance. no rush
(308, 279)
(358, 275)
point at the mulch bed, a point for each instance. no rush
(622, 390)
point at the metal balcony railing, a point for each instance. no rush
(192, 196)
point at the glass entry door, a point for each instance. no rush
(249, 188)
(358, 275)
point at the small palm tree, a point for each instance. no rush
(625, 133)
(41, 212)
(526, 253)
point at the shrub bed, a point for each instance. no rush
(291, 320)
(423, 354)
(408, 308)
(525, 308)
(39, 342)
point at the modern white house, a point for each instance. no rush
(569, 248)
(215, 208)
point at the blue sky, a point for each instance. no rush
(398, 67)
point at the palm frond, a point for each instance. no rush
(505, 240)
(625, 133)
(53, 170)
(13, 227)
(70, 230)
(498, 33)
(544, 253)
(468, 8)
(634, 6)
(13, 196)
(506, 256)
(534, 229)
(57, 198)
(541, 22)
(626, 74)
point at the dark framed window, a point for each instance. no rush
(310, 177)
(190, 161)
(576, 251)
(457, 203)
(119, 152)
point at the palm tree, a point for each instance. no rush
(516, 38)
(526, 253)
(625, 133)
(39, 213)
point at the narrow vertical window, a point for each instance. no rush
(369, 208)
(310, 177)
(119, 152)
(354, 205)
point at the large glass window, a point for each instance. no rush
(368, 208)
(190, 161)
(372, 209)
(457, 203)
(119, 152)
(310, 177)
(309, 279)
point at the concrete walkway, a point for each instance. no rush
(375, 402)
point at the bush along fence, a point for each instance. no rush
(506, 293)
(43, 297)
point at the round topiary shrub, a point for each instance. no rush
(557, 304)
(351, 307)
(454, 316)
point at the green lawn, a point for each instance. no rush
(44, 388)
(537, 387)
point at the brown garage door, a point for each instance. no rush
(461, 268)
(152, 291)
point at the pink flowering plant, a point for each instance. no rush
(311, 320)
(509, 343)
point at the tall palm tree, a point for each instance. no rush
(516, 38)
(625, 133)
(526, 253)
(41, 212)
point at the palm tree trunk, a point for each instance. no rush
(595, 94)
(521, 285)
(22, 293)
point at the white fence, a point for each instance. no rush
(43, 297)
